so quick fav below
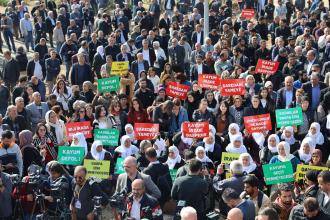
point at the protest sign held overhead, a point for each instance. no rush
(247, 13)
(79, 127)
(108, 84)
(107, 136)
(209, 81)
(177, 90)
(289, 117)
(68, 155)
(275, 173)
(258, 123)
(119, 67)
(229, 87)
(195, 129)
(97, 168)
(267, 66)
(145, 131)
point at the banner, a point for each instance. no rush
(209, 81)
(247, 13)
(258, 123)
(195, 129)
(281, 172)
(227, 158)
(108, 137)
(229, 87)
(145, 131)
(97, 168)
(119, 67)
(119, 168)
(173, 174)
(267, 66)
(108, 84)
(79, 127)
(177, 90)
(68, 155)
(302, 169)
(289, 117)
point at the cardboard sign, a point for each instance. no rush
(119, 168)
(281, 172)
(173, 174)
(289, 117)
(267, 66)
(195, 129)
(97, 168)
(177, 90)
(247, 13)
(119, 67)
(258, 123)
(79, 127)
(145, 131)
(108, 84)
(229, 87)
(227, 158)
(302, 169)
(209, 81)
(68, 155)
(108, 137)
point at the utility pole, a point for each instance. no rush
(206, 19)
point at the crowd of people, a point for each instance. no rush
(74, 44)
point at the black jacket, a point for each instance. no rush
(297, 213)
(30, 68)
(149, 208)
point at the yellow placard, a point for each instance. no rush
(227, 158)
(97, 168)
(302, 169)
(119, 67)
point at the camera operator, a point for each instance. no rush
(84, 191)
(140, 205)
(58, 190)
(5, 196)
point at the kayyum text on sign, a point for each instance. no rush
(108, 84)
(229, 87)
(289, 117)
(79, 127)
(267, 66)
(68, 155)
(247, 13)
(258, 123)
(146, 131)
(195, 129)
(209, 81)
(177, 90)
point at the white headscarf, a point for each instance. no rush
(259, 138)
(212, 129)
(81, 141)
(205, 159)
(288, 156)
(328, 122)
(291, 140)
(317, 138)
(186, 140)
(273, 149)
(171, 162)
(233, 125)
(252, 165)
(232, 149)
(59, 126)
(126, 151)
(209, 147)
(306, 157)
(100, 50)
(129, 126)
(160, 143)
(97, 155)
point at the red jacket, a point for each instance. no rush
(137, 117)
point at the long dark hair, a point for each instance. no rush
(139, 102)
(58, 86)
(268, 94)
(98, 111)
(226, 103)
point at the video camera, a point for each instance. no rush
(118, 200)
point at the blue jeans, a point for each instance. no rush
(58, 47)
(9, 38)
(29, 39)
(68, 65)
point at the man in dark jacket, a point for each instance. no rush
(36, 67)
(53, 68)
(50, 25)
(75, 96)
(313, 90)
(10, 71)
(192, 188)
(324, 191)
(176, 55)
(139, 65)
(81, 72)
(310, 210)
(16, 122)
(68, 49)
(145, 95)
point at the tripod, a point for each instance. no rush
(40, 201)
(18, 209)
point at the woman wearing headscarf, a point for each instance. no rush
(249, 166)
(30, 154)
(212, 149)
(287, 135)
(79, 140)
(129, 130)
(191, 104)
(174, 160)
(314, 132)
(270, 150)
(236, 145)
(201, 156)
(317, 158)
(284, 155)
(56, 127)
(99, 153)
(160, 147)
(98, 61)
(233, 129)
(304, 154)
(126, 148)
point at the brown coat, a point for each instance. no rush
(127, 81)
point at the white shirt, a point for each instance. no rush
(200, 68)
(146, 55)
(309, 66)
(135, 212)
(168, 5)
(326, 199)
(38, 70)
(199, 37)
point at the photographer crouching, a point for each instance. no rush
(85, 190)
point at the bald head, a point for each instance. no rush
(130, 166)
(235, 214)
(138, 188)
(188, 213)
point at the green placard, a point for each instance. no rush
(227, 158)
(108, 84)
(119, 169)
(68, 155)
(289, 117)
(107, 136)
(281, 172)
(173, 174)
(97, 168)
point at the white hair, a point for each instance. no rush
(236, 167)
(188, 213)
